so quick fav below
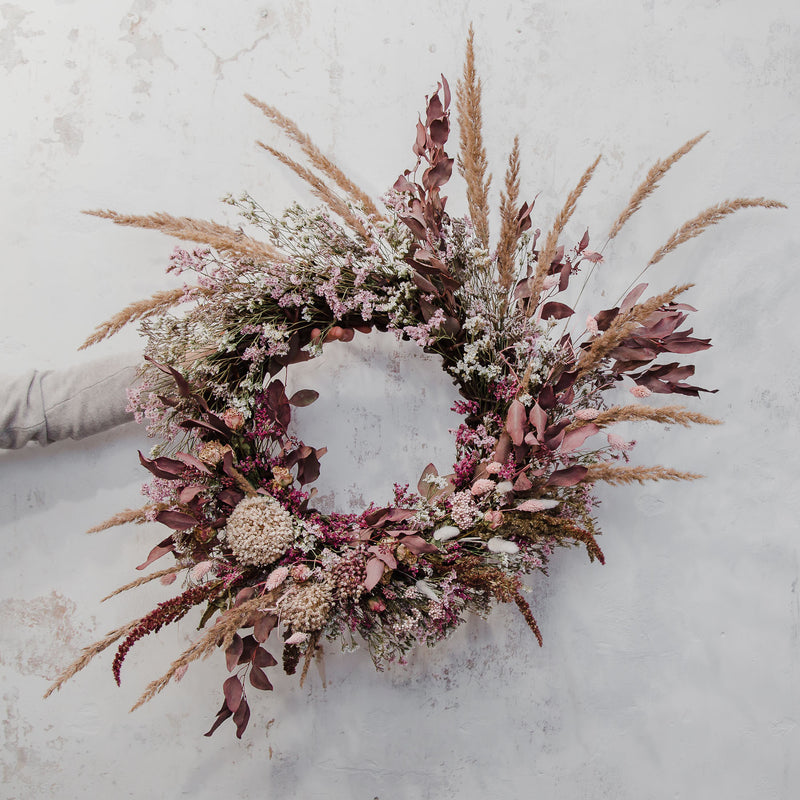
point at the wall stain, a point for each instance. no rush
(10, 55)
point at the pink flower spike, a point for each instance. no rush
(537, 505)
(587, 413)
(482, 486)
(277, 577)
(591, 326)
(297, 638)
(494, 467)
(640, 391)
(199, 571)
(618, 443)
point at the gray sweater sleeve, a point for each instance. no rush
(66, 404)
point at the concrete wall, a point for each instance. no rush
(672, 672)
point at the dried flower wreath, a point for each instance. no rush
(229, 476)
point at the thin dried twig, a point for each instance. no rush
(472, 163)
(317, 158)
(650, 183)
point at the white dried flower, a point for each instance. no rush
(307, 607)
(445, 532)
(259, 530)
(499, 545)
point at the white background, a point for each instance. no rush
(672, 672)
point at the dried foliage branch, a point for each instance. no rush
(509, 229)
(137, 515)
(525, 610)
(220, 237)
(711, 216)
(666, 415)
(618, 476)
(320, 189)
(548, 251)
(650, 183)
(622, 326)
(472, 162)
(316, 156)
(219, 635)
(310, 652)
(88, 653)
(146, 579)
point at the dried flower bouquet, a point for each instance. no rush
(229, 478)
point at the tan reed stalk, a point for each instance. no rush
(316, 156)
(705, 219)
(525, 610)
(509, 230)
(472, 163)
(666, 415)
(88, 653)
(618, 476)
(310, 651)
(219, 635)
(650, 183)
(145, 579)
(548, 251)
(137, 515)
(320, 189)
(220, 237)
(622, 326)
(141, 309)
(242, 482)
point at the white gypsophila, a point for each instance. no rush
(259, 530)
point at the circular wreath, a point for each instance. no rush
(231, 480)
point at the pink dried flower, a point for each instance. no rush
(375, 604)
(482, 486)
(591, 325)
(640, 391)
(537, 505)
(300, 573)
(297, 638)
(618, 443)
(199, 571)
(587, 413)
(494, 467)
(233, 419)
(166, 580)
(277, 577)
(494, 518)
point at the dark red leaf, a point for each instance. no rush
(567, 477)
(633, 295)
(188, 493)
(264, 626)
(230, 497)
(440, 130)
(263, 658)
(575, 438)
(259, 679)
(305, 397)
(234, 692)
(584, 242)
(241, 717)
(243, 595)
(167, 546)
(417, 545)
(556, 310)
(375, 569)
(232, 653)
(250, 645)
(515, 422)
(176, 520)
(446, 90)
(223, 714)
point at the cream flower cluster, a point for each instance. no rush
(259, 530)
(306, 608)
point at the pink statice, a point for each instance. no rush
(463, 509)
(640, 391)
(494, 467)
(587, 414)
(482, 486)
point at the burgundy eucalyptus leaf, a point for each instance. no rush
(384, 555)
(233, 690)
(232, 653)
(556, 311)
(417, 545)
(264, 626)
(435, 108)
(263, 658)
(593, 257)
(167, 546)
(230, 497)
(568, 477)
(375, 569)
(176, 520)
(192, 461)
(303, 398)
(515, 422)
(633, 295)
(584, 242)
(152, 466)
(243, 595)
(241, 717)
(446, 92)
(415, 225)
(249, 647)
(259, 679)
(188, 493)
(575, 438)
(223, 714)
(538, 418)
(522, 484)
(440, 130)
(423, 485)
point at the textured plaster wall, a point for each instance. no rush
(672, 672)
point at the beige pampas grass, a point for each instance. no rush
(650, 183)
(548, 250)
(137, 515)
(317, 158)
(220, 237)
(618, 476)
(666, 415)
(711, 216)
(472, 163)
(509, 230)
(145, 579)
(622, 326)
(320, 189)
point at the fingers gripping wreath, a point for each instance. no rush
(230, 479)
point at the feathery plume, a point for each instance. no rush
(666, 415)
(618, 476)
(509, 230)
(548, 251)
(145, 579)
(705, 219)
(317, 158)
(472, 163)
(137, 515)
(650, 183)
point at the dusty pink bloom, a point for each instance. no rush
(376, 605)
(531, 505)
(494, 467)
(587, 413)
(300, 573)
(297, 638)
(199, 571)
(481, 486)
(550, 281)
(233, 419)
(166, 580)
(591, 325)
(494, 518)
(618, 443)
(277, 577)
(640, 391)
(180, 672)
